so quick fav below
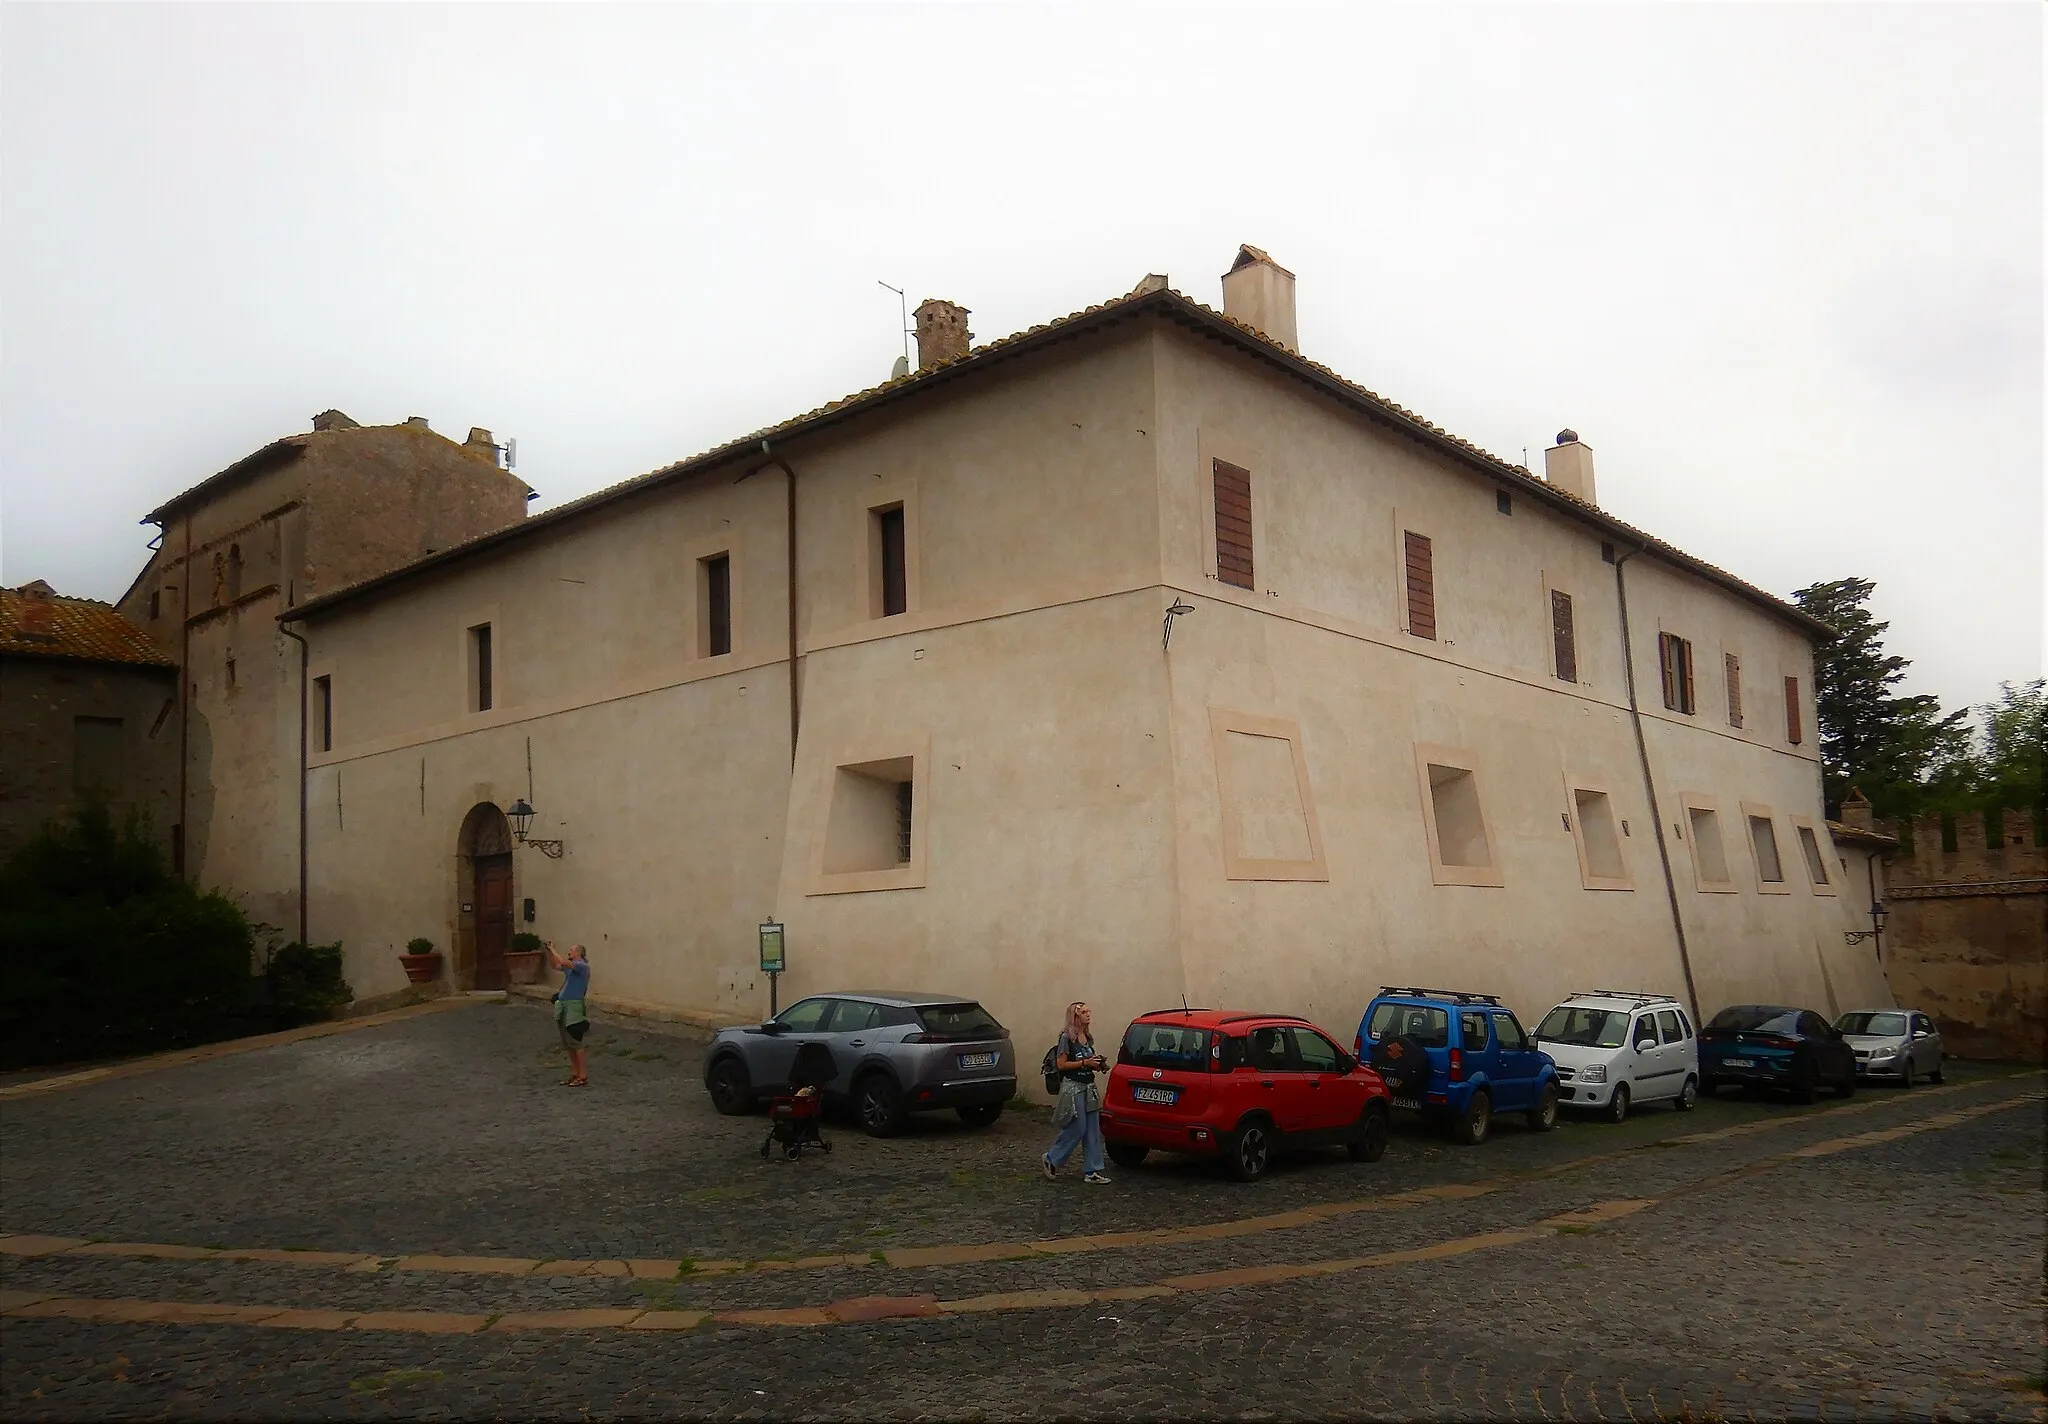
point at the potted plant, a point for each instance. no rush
(422, 963)
(522, 960)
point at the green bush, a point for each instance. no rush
(421, 945)
(109, 953)
(525, 943)
(304, 984)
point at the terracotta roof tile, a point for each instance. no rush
(35, 622)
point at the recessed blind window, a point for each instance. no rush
(717, 605)
(1792, 728)
(1733, 665)
(1564, 637)
(323, 713)
(895, 589)
(1674, 658)
(1233, 524)
(1421, 582)
(480, 653)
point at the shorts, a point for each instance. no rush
(572, 1034)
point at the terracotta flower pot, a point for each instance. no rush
(422, 968)
(522, 966)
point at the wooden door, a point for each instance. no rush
(493, 919)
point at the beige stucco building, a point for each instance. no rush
(1130, 657)
(303, 515)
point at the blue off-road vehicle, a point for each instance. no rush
(1457, 1058)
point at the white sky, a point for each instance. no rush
(1781, 266)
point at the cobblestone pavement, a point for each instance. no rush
(1880, 1258)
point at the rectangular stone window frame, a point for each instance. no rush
(696, 599)
(876, 498)
(320, 720)
(1754, 811)
(1805, 830)
(911, 753)
(1577, 791)
(485, 616)
(1237, 865)
(1702, 880)
(1441, 872)
(1210, 447)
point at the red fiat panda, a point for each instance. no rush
(1238, 1087)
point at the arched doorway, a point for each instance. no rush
(485, 851)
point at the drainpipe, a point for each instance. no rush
(185, 703)
(305, 657)
(1635, 712)
(769, 457)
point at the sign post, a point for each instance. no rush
(771, 958)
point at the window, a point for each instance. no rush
(1233, 493)
(1684, 1024)
(805, 1016)
(1732, 665)
(891, 592)
(1502, 502)
(1674, 658)
(1472, 1032)
(871, 823)
(1812, 1025)
(1644, 1034)
(1430, 1027)
(1269, 1049)
(480, 667)
(1792, 728)
(1667, 1021)
(1763, 836)
(1268, 808)
(1460, 843)
(1709, 856)
(323, 714)
(231, 672)
(1606, 552)
(1816, 863)
(903, 809)
(714, 598)
(1419, 560)
(1312, 1051)
(1510, 1030)
(1564, 641)
(155, 604)
(853, 1016)
(1922, 1024)
(234, 572)
(1600, 863)
(96, 755)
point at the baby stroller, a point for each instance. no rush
(793, 1120)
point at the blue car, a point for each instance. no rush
(1773, 1047)
(1458, 1058)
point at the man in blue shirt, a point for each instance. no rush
(570, 1016)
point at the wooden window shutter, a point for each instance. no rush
(1685, 666)
(1564, 637)
(1734, 667)
(1233, 525)
(1792, 710)
(1667, 668)
(1421, 575)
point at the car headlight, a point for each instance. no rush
(1596, 1074)
(1891, 1052)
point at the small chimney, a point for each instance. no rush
(942, 333)
(333, 420)
(1260, 293)
(1568, 465)
(1856, 812)
(38, 612)
(480, 443)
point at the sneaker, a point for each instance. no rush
(1045, 1165)
(1096, 1178)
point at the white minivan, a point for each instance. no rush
(1614, 1048)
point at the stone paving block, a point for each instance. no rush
(1241, 1276)
(610, 1268)
(301, 1319)
(793, 1315)
(814, 1263)
(562, 1268)
(14, 1299)
(1015, 1300)
(1131, 1293)
(654, 1270)
(715, 1268)
(668, 1320)
(143, 1248)
(956, 1255)
(468, 1265)
(881, 1307)
(586, 1319)
(25, 1245)
(178, 1312)
(419, 1322)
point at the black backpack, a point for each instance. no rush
(1046, 1065)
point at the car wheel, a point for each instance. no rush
(1804, 1085)
(1847, 1087)
(1906, 1077)
(1248, 1151)
(1617, 1106)
(1689, 1095)
(1369, 1139)
(980, 1114)
(1937, 1075)
(878, 1103)
(1128, 1154)
(1708, 1088)
(1469, 1128)
(1543, 1116)
(731, 1093)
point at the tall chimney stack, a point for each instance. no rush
(942, 333)
(1260, 293)
(1568, 465)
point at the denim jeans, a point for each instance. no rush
(1084, 1131)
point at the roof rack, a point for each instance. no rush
(1240, 1018)
(1451, 994)
(1620, 994)
(1170, 1009)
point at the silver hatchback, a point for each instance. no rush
(893, 1054)
(1893, 1043)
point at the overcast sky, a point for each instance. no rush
(1781, 266)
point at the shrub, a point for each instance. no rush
(525, 942)
(305, 984)
(108, 952)
(421, 945)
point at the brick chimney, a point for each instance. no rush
(1260, 293)
(418, 422)
(1856, 813)
(38, 612)
(481, 444)
(1568, 465)
(333, 420)
(942, 333)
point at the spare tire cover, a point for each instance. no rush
(1404, 1063)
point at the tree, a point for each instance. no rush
(2013, 747)
(1888, 746)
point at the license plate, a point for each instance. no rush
(1407, 1102)
(1737, 1063)
(977, 1060)
(1148, 1094)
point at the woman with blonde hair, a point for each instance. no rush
(1078, 1113)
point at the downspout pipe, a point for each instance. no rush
(184, 848)
(1635, 712)
(305, 662)
(768, 458)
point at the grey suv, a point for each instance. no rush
(894, 1054)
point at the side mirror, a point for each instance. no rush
(1346, 1063)
(771, 1026)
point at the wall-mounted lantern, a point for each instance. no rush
(1878, 915)
(521, 815)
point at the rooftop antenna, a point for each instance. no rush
(511, 453)
(903, 305)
